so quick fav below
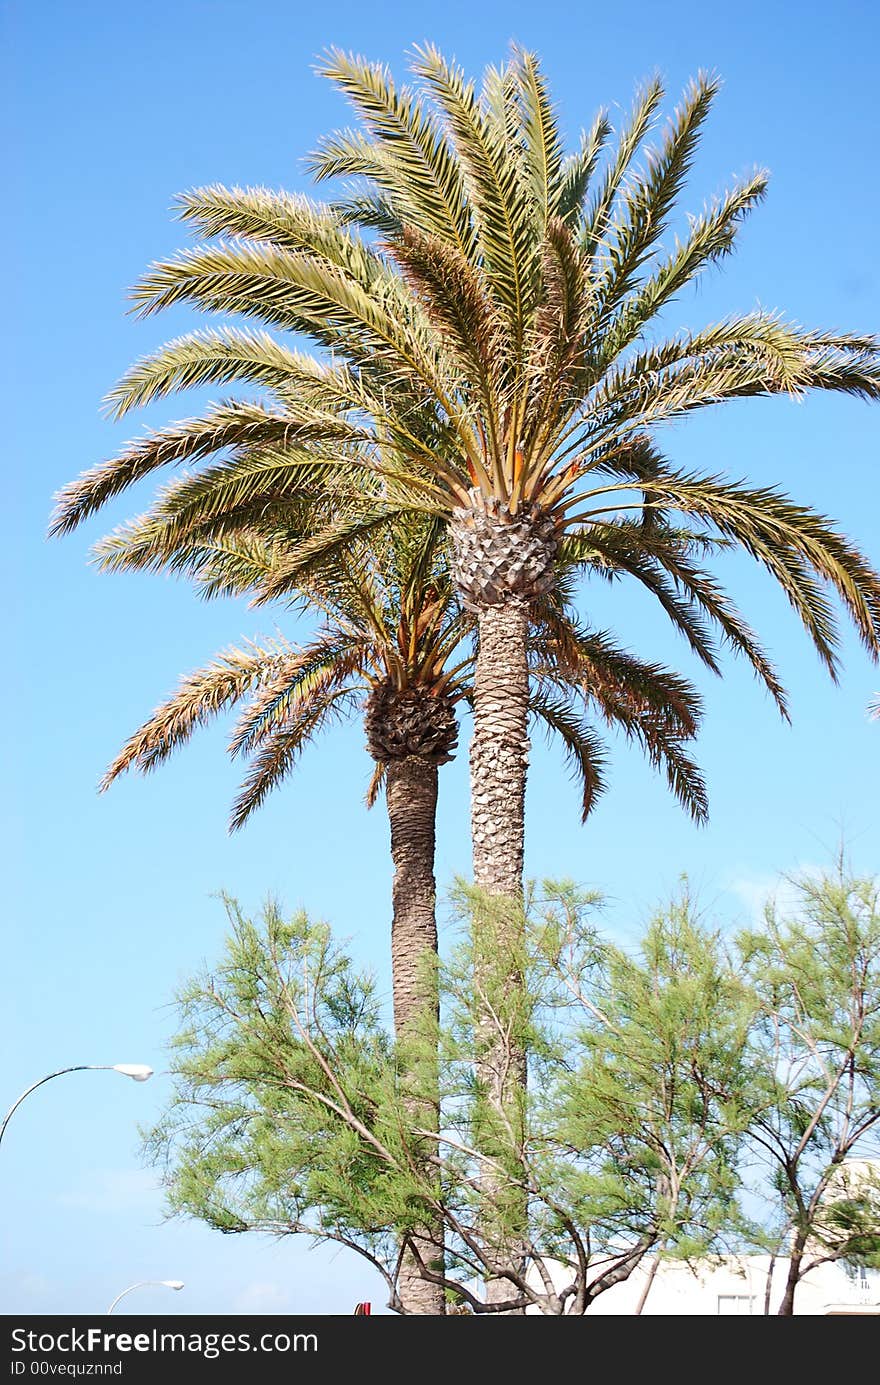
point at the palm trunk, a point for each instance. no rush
(499, 761)
(411, 795)
(499, 750)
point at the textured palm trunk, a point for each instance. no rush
(499, 762)
(411, 794)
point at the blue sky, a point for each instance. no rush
(109, 900)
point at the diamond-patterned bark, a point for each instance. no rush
(415, 721)
(499, 556)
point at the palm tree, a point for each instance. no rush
(391, 644)
(496, 338)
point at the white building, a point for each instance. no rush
(738, 1285)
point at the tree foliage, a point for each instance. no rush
(815, 1051)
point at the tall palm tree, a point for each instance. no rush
(391, 643)
(497, 336)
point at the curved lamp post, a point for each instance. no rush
(138, 1072)
(142, 1283)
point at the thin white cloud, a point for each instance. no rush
(757, 889)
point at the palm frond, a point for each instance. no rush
(232, 424)
(283, 220)
(380, 331)
(456, 301)
(313, 553)
(200, 696)
(596, 216)
(410, 158)
(290, 689)
(792, 542)
(279, 752)
(226, 355)
(541, 136)
(597, 549)
(583, 748)
(651, 705)
(505, 228)
(645, 208)
(633, 547)
(710, 238)
(218, 501)
(577, 170)
(376, 784)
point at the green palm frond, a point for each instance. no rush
(792, 542)
(290, 689)
(505, 228)
(389, 613)
(280, 751)
(313, 553)
(710, 237)
(281, 219)
(409, 157)
(375, 325)
(661, 562)
(230, 565)
(583, 749)
(232, 424)
(220, 500)
(736, 359)
(200, 696)
(651, 705)
(226, 355)
(599, 549)
(596, 216)
(541, 136)
(462, 314)
(683, 776)
(623, 687)
(646, 206)
(577, 169)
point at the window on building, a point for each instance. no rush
(858, 1276)
(736, 1303)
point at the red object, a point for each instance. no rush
(362, 1310)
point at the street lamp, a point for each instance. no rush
(165, 1283)
(138, 1072)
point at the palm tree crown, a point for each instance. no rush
(394, 643)
(496, 337)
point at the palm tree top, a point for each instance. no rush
(483, 306)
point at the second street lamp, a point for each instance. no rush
(143, 1283)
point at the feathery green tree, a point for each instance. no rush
(290, 1115)
(815, 1052)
